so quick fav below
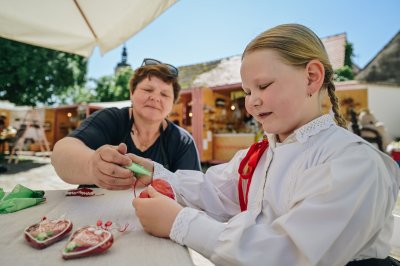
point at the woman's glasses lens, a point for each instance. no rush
(171, 68)
(148, 61)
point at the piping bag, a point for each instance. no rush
(138, 169)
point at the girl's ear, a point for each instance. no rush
(315, 73)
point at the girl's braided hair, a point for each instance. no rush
(298, 45)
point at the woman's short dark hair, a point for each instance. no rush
(160, 71)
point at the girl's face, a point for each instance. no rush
(276, 93)
(153, 99)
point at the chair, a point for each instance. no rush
(372, 136)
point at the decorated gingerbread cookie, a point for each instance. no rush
(89, 240)
(47, 232)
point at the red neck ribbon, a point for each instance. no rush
(246, 170)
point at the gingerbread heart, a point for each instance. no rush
(82, 192)
(86, 241)
(161, 186)
(47, 232)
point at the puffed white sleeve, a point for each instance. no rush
(215, 191)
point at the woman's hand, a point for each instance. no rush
(157, 213)
(106, 168)
(143, 180)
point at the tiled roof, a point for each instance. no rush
(187, 74)
(384, 67)
(226, 71)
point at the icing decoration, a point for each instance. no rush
(82, 192)
(90, 240)
(47, 232)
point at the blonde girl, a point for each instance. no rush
(313, 193)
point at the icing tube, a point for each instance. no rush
(138, 169)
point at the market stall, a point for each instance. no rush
(219, 122)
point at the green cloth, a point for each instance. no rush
(20, 198)
(13, 205)
(19, 191)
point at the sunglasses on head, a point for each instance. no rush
(148, 61)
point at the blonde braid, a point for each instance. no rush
(335, 106)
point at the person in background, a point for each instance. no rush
(367, 120)
(354, 124)
(3, 118)
(312, 193)
(250, 123)
(95, 152)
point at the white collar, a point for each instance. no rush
(303, 133)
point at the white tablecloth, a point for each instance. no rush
(132, 247)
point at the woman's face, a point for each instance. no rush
(276, 93)
(153, 99)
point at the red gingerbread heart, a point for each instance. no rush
(161, 186)
(47, 232)
(86, 241)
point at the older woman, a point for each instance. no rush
(95, 152)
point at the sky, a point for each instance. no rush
(196, 31)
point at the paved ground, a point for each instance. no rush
(37, 173)
(33, 172)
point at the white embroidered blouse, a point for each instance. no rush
(322, 197)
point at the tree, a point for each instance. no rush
(346, 72)
(78, 95)
(114, 88)
(31, 75)
(348, 54)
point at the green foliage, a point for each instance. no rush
(114, 88)
(78, 95)
(348, 54)
(343, 74)
(31, 75)
(346, 72)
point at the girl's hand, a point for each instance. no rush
(157, 213)
(106, 168)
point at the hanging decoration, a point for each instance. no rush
(47, 232)
(90, 240)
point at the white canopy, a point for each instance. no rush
(77, 26)
(118, 104)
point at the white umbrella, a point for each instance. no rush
(77, 26)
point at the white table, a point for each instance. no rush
(132, 247)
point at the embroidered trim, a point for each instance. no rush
(180, 227)
(159, 170)
(313, 127)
